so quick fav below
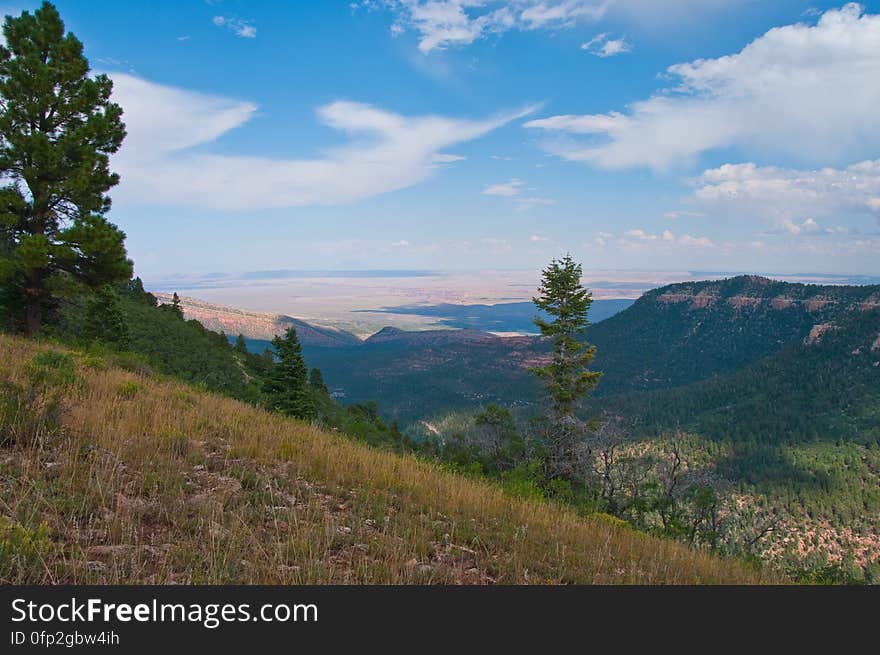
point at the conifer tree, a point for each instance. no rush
(241, 345)
(316, 380)
(286, 385)
(566, 377)
(58, 128)
(104, 318)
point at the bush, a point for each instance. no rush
(52, 368)
(128, 389)
(22, 551)
(523, 481)
(610, 519)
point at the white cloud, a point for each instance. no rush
(240, 28)
(601, 46)
(696, 242)
(788, 197)
(672, 215)
(807, 226)
(640, 235)
(441, 158)
(441, 24)
(506, 189)
(403, 243)
(158, 165)
(807, 92)
(537, 238)
(639, 238)
(513, 189)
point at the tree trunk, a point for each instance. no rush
(33, 319)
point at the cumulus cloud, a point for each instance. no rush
(441, 24)
(791, 199)
(640, 235)
(240, 28)
(639, 238)
(696, 242)
(809, 92)
(159, 165)
(602, 46)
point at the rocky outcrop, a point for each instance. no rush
(817, 331)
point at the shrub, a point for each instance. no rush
(608, 518)
(22, 551)
(128, 389)
(52, 368)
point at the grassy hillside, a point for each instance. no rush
(107, 476)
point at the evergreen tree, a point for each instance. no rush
(503, 445)
(105, 320)
(286, 386)
(316, 380)
(174, 306)
(241, 345)
(58, 128)
(267, 360)
(566, 377)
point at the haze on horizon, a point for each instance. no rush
(449, 135)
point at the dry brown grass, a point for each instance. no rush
(140, 480)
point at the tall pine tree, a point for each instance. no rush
(58, 128)
(286, 384)
(566, 377)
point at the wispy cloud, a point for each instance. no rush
(242, 29)
(673, 215)
(506, 189)
(602, 46)
(386, 152)
(807, 92)
(441, 24)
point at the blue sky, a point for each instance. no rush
(451, 134)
